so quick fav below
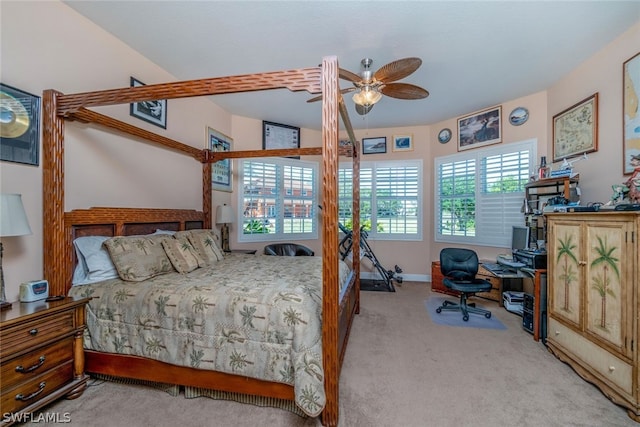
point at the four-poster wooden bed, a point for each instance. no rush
(62, 227)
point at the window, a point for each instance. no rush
(390, 199)
(279, 199)
(479, 194)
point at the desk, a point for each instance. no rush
(506, 281)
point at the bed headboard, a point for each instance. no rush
(122, 222)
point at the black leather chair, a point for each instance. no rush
(459, 268)
(287, 249)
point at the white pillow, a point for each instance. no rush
(160, 231)
(93, 260)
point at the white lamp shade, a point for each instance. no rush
(13, 219)
(366, 96)
(224, 215)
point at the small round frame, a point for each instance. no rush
(519, 116)
(444, 136)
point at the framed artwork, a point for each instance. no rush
(402, 143)
(154, 112)
(444, 136)
(631, 114)
(374, 145)
(277, 136)
(575, 130)
(480, 129)
(20, 126)
(519, 116)
(221, 173)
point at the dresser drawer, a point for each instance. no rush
(30, 365)
(30, 334)
(605, 365)
(30, 392)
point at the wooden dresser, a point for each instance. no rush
(41, 355)
(593, 301)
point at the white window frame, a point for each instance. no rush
(495, 213)
(280, 194)
(375, 166)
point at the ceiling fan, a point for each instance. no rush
(370, 86)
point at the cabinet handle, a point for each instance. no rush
(612, 368)
(32, 368)
(557, 333)
(32, 395)
(33, 332)
(582, 262)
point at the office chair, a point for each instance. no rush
(459, 268)
(287, 249)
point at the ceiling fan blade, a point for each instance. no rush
(342, 91)
(403, 91)
(397, 70)
(362, 110)
(348, 75)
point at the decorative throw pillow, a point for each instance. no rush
(204, 243)
(182, 254)
(139, 257)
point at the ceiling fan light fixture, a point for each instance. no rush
(366, 96)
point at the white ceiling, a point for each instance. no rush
(475, 54)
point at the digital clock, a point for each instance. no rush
(34, 290)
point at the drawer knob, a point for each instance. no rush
(557, 333)
(33, 332)
(24, 398)
(612, 368)
(32, 368)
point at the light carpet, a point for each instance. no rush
(400, 369)
(454, 318)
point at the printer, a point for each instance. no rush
(513, 301)
(531, 259)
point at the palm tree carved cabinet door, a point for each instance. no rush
(593, 264)
(609, 291)
(565, 299)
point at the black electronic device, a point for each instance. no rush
(594, 208)
(531, 259)
(628, 207)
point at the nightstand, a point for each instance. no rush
(242, 251)
(42, 356)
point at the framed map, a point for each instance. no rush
(221, 170)
(575, 130)
(631, 128)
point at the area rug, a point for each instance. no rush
(454, 318)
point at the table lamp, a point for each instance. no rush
(224, 216)
(13, 222)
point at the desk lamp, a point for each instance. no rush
(13, 222)
(224, 216)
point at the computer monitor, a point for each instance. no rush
(519, 238)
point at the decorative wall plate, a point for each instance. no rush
(519, 116)
(444, 136)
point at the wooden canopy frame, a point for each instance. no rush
(58, 253)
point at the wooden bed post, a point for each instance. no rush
(206, 189)
(330, 296)
(55, 239)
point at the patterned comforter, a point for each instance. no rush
(256, 316)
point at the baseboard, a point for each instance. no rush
(406, 277)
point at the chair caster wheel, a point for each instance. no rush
(465, 318)
(438, 310)
(487, 315)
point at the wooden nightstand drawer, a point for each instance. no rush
(34, 390)
(30, 334)
(31, 365)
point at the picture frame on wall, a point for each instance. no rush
(631, 114)
(154, 112)
(402, 142)
(20, 126)
(374, 145)
(480, 128)
(221, 171)
(575, 130)
(277, 136)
